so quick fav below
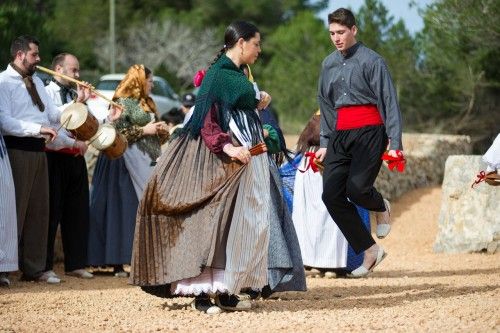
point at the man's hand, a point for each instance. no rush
(114, 113)
(394, 153)
(81, 146)
(320, 154)
(83, 92)
(48, 133)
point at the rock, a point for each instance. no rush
(425, 159)
(469, 220)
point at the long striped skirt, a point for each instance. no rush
(8, 217)
(202, 224)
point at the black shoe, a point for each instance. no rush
(118, 271)
(204, 304)
(4, 279)
(266, 292)
(232, 303)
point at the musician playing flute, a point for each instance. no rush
(68, 179)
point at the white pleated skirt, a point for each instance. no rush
(322, 244)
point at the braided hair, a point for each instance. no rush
(235, 31)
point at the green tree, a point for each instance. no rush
(25, 18)
(295, 51)
(460, 44)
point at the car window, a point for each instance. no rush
(159, 89)
(170, 91)
(108, 84)
(162, 88)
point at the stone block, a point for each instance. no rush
(469, 220)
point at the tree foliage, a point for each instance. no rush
(295, 52)
(179, 49)
(25, 18)
(459, 72)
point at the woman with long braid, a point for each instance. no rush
(202, 226)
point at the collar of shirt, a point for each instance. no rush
(350, 51)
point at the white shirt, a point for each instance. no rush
(19, 116)
(54, 92)
(64, 139)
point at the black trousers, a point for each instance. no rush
(69, 206)
(352, 163)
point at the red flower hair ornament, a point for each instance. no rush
(198, 77)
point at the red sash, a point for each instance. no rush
(357, 116)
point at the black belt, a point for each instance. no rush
(24, 143)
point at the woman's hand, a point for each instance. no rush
(240, 153)
(265, 100)
(153, 128)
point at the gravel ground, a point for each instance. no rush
(414, 289)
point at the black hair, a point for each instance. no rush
(235, 31)
(147, 71)
(22, 43)
(343, 17)
(173, 116)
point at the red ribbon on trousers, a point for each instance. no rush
(480, 178)
(311, 163)
(395, 162)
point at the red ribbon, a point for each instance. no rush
(398, 162)
(311, 156)
(481, 176)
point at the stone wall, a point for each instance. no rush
(469, 220)
(426, 155)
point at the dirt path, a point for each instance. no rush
(414, 289)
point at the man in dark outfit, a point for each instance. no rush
(360, 116)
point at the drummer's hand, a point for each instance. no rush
(266, 133)
(48, 133)
(240, 153)
(81, 146)
(320, 154)
(83, 92)
(114, 113)
(265, 100)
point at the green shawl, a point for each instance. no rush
(226, 87)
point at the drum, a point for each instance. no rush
(78, 120)
(108, 140)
